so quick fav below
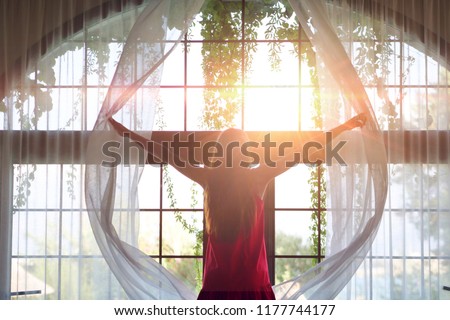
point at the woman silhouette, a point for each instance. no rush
(235, 263)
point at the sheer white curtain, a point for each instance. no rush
(395, 65)
(159, 28)
(356, 190)
(407, 79)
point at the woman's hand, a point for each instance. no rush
(357, 121)
(121, 129)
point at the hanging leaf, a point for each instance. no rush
(3, 107)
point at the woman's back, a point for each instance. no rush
(238, 269)
(235, 260)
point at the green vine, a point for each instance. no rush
(189, 226)
(316, 179)
(25, 174)
(372, 61)
(30, 106)
(225, 64)
(222, 70)
(280, 26)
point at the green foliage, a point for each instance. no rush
(373, 62)
(189, 226)
(24, 176)
(317, 173)
(280, 26)
(3, 107)
(97, 57)
(225, 64)
(71, 176)
(318, 216)
(183, 268)
(288, 268)
(221, 62)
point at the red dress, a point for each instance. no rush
(238, 270)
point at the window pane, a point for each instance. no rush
(194, 65)
(169, 113)
(307, 109)
(292, 233)
(94, 100)
(274, 64)
(414, 66)
(149, 188)
(195, 110)
(272, 20)
(37, 275)
(443, 222)
(77, 237)
(188, 270)
(214, 109)
(73, 187)
(102, 59)
(37, 186)
(416, 186)
(271, 109)
(415, 110)
(292, 189)
(179, 233)
(179, 191)
(149, 233)
(287, 268)
(406, 284)
(36, 233)
(88, 278)
(173, 71)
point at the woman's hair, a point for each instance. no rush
(230, 206)
(229, 197)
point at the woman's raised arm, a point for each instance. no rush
(289, 150)
(163, 152)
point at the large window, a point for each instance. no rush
(241, 63)
(244, 64)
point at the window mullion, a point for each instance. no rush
(269, 220)
(6, 204)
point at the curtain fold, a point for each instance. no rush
(406, 77)
(356, 191)
(159, 28)
(31, 87)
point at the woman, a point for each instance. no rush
(235, 265)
